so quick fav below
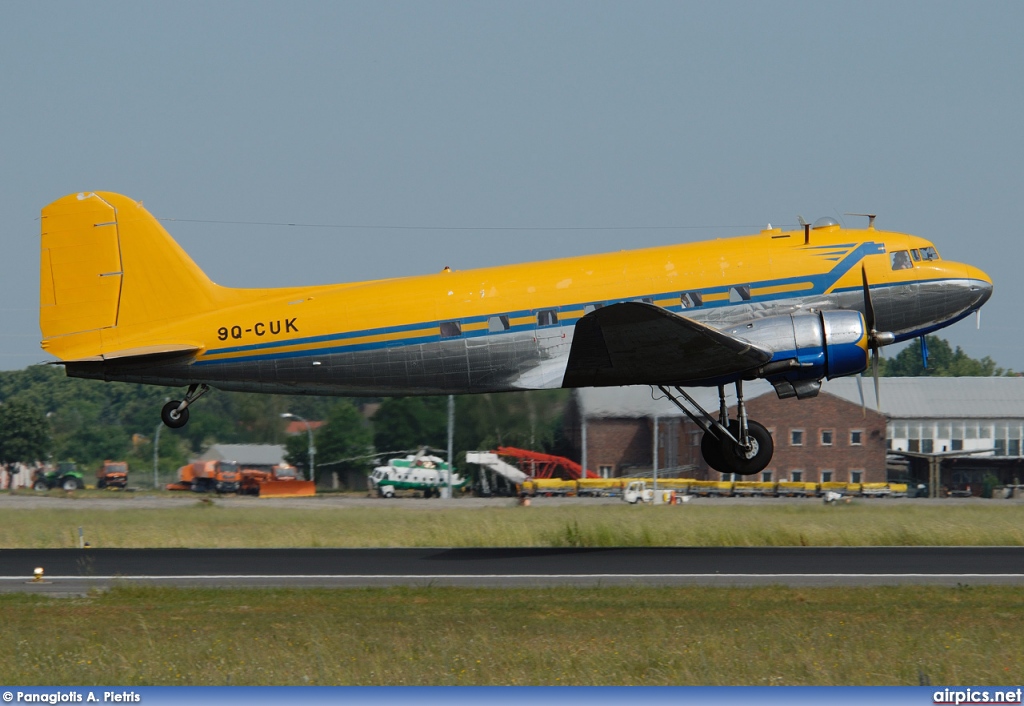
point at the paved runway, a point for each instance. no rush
(73, 571)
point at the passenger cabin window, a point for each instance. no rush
(451, 329)
(547, 317)
(691, 300)
(929, 253)
(588, 308)
(497, 324)
(901, 260)
(740, 293)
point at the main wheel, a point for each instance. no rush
(172, 417)
(747, 461)
(711, 450)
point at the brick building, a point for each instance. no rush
(828, 438)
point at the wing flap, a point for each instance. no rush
(634, 343)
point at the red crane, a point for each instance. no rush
(541, 465)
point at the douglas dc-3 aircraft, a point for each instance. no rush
(121, 301)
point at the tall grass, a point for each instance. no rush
(386, 525)
(613, 635)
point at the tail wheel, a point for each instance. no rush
(172, 417)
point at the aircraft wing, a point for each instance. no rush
(634, 343)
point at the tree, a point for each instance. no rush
(345, 435)
(24, 433)
(410, 422)
(943, 361)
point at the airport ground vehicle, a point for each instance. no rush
(208, 476)
(112, 474)
(281, 480)
(708, 488)
(66, 475)
(637, 492)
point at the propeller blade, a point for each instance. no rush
(874, 372)
(869, 307)
(860, 389)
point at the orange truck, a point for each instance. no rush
(208, 476)
(112, 474)
(281, 480)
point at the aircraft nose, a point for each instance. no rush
(980, 284)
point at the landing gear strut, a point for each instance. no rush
(175, 413)
(738, 445)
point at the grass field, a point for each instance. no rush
(153, 636)
(189, 523)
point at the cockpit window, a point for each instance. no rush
(901, 260)
(916, 255)
(929, 253)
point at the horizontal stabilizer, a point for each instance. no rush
(634, 343)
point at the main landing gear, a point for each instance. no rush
(175, 413)
(738, 445)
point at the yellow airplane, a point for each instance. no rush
(121, 301)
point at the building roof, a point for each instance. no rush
(639, 401)
(251, 454)
(938, 397)
(297, 427)
(902, 398)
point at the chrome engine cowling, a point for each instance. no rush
(807, 348)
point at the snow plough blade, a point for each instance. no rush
(287, 488)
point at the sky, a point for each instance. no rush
(403, 137)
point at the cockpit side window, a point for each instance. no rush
(915, 254)
(901, 260)
(929, 253)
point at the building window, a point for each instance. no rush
(766, 477)
(856, 437)
(826, 437)
(796, 437)
(605, 471)
(927, 446)
(547, 317)
(855, 476)
(826, 476)
(451, 329)
(956, 444)
(914, 446)
(798, 476)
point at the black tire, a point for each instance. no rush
(711, 450)
(736, 460)
(172, 417)
(69, 484)
(40, 485)
(101, 483)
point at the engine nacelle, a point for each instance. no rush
(808, 347)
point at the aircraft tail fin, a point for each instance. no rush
(107, 264)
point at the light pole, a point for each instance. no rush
(156, 455)
(309, 431)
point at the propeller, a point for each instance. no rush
(876, 339)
